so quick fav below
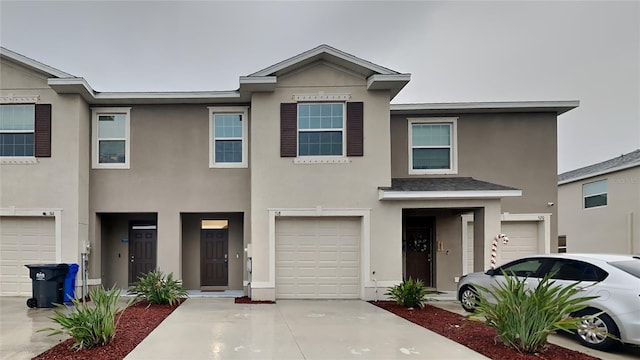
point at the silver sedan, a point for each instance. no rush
(613, 279)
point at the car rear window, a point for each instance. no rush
(630, 266)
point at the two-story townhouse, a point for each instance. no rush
(306, 169)
(599, 207)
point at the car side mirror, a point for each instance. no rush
(491, 272)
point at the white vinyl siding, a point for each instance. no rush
(318, 258)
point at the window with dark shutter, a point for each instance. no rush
(288, 129)
(355, 143)
(43, 130)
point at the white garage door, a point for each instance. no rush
(523, 241)
(24, 240)
(318, 258)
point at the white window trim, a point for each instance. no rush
(584, 197)
(244, 112)
(126, 111)
(21, 160)
(453, 121)
(316, 159)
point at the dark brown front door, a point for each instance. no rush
(419, 249)
(214, 259)
(142, 251)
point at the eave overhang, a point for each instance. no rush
(258, 83)
(446, 195)
(557, 107)
(81, 87)
(394, 83)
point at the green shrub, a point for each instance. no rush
(90, 324)
(524, 317)
(409, 293)
(156, 289)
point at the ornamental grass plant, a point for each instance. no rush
(409, 293)
(524, 317)
(156, 288)
(90, 324)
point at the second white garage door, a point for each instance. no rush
(523, 241)
(24, 240)
(318, 258)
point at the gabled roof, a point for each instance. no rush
(331, 54)
(444, 188)
(378, 77)
(33, 64)
(624, 161)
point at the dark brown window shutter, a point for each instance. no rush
(43, 130)
(288, 130)
(355, 141)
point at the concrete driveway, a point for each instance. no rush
(19, 338)
(292, 329)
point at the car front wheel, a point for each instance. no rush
(468, 298)
(592, 332)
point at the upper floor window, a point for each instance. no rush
(228, 137)
(321, 129)
(432, 146)
(25, 130)
(595, 194)
(17, 130)
(322, 132)
(111, 143)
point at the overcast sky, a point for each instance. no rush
(456, 51)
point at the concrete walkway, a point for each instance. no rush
(206, 328)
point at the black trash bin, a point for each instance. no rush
(47, 282)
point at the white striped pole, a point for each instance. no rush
(494, 248)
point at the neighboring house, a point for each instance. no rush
(599, 207)
(307, 168)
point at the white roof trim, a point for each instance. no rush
(33, 64)
(258, 80)
(430, 195)
(317, 51)
(558, 106)
(80, 86)
(599, 173)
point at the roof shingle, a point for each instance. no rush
(624, 161)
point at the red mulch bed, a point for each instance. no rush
(473, 334)
(136, 323)
(247, 300)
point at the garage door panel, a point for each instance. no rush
(318, 258)
(24, 240)
(523, 241)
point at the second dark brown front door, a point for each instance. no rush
(142, 251)
(214, 260)
(419, 249)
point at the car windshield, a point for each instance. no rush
(630, 266)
